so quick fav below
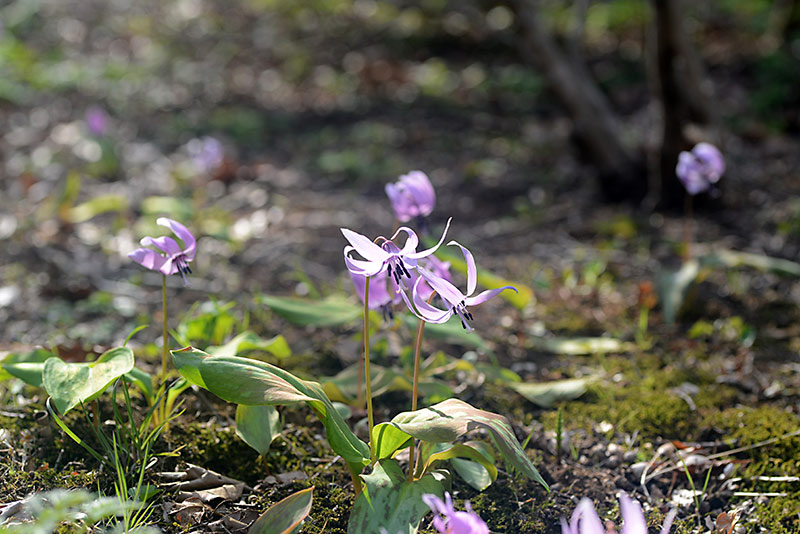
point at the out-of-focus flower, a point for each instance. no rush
(457, 301)
(382, 293)
(170, 258)
(97, 120)
(207, 153)
(387, 256)
(699, 169)
(412, 196)
(450, 521)
(585, 520)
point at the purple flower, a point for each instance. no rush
(585, 520)
(436, 266)
(412, 196)
(448, 521)
(381, 297)
(699, 169)
(207, 153)
(456, 300)
(387, 256)
(170, 257)
(97, 120)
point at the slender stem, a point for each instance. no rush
(412, 459)
(161, 415)
(367, 376)
(687, 228)
(360, 394)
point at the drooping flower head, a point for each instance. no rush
(585, 520)
(450, 521)
(457, 301)
(170, 258)
(699, 169)
(388, 256)
(382, 293)
(412, 196)
(97, 120)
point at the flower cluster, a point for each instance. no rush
(699, 169)
(395, 270)
(585, 520)
(450, 521)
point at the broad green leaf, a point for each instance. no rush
(581, 345)
(673, 286)
(98, 205)
(389, 503)
(488, 279)
(179, 208)
(27, 366)
(188, 360)
(277, 346)
(546, 394)
(344, 386)
(257, 426)
(285, 516)
(450, 332)
(70, 384)
(331, 311)
(473, 473)
(476, 469)
(388, 440)
(254, 383)
(451, 419)
(732, 258)
(143, 380)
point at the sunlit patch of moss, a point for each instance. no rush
(779, 515)
(18, 483)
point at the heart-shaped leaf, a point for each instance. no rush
(285, 516)
(70, 384)
(451, 419)
(255, 383)
(389, 503)
(258, 426)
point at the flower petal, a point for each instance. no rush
(431, 250)
(189, 243)
(632, 516)
(472, 270)
(410, 247)
(165, 244)
(428, 312)
(147, 258)
(587, 516)
(489, 294)
(434, 503)
(446, 290)
(668, 521)
(362, 267)
(364, 246)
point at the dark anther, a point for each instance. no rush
(405, 271)
(463, 324)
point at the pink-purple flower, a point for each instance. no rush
(170, 258)
(387, 256)
(412, 196)
(699, 169)
(585, 520)
(458, 302)
(382, 293)
(450, 521)
(97, 120)
(437, 267)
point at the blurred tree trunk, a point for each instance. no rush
(621, 169)
(680, 91)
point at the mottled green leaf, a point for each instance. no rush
(390, 503)
(70, 384)
(27, 366)
(277, 346)
(286, 515)
(258, 426)
(546, 394)
(331, 311)
(673, 286)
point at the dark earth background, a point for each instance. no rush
(317, 105)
